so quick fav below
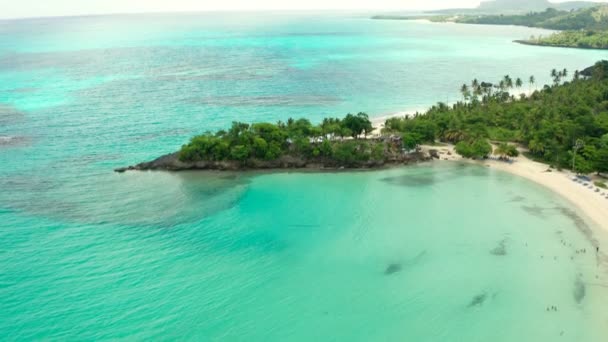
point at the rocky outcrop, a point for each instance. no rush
(171, 162)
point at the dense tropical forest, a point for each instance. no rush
(577, 39)
(565, 122)
(336, 142)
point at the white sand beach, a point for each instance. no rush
(592, 204)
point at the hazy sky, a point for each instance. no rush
(38, 8)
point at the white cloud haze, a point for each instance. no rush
(37, 8)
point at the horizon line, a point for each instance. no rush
(278, 10)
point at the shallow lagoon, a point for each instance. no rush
(436, 251)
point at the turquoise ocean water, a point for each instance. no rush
(87, 254)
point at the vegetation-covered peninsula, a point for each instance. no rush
(563, 124)
(571, 39)
(334, 143)
(582, 28)
(595, 18)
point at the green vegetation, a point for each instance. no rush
(576, 39)
(563, 123)
(295, 138)
(432, 18)
(534, 19)
(506, 6)
(601, 185)
(585, 28)
(506, 151)
(595, 18)
(474, 148)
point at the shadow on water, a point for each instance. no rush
(580, 223)
(14, 141)
(576, 219)
(579, 290)
(160, 200)
(517, 199)
(425, 176)
(10, 115)
(23, 90)
(478, 300)
(411, 180)
(397, 267)
(264, 242)
(256, 101)
(501, 249)
(535, 210)
(393, 268)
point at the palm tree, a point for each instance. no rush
(518, 83)
(553, 73)
(476, 88)
(500, 150)
(465, 92)
(577, 75)
(565, 73)
(502, 85)
(505, 151)
(557, 76)
(531, 81)
(508, 82)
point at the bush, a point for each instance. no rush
(474, 149)
(240, 153)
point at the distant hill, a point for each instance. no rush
(518, 7)
(511, 5)
(574, 5)
(595, 19)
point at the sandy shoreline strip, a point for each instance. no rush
(592, 204)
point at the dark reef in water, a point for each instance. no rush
(10, 115)
(517, 199)
(501, 250)
(396, 267)
(478, 300)
(579, 290)
(10, 141)
(393, 268)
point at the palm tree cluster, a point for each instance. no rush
(557, 76)
(484, 90)
(547, 122)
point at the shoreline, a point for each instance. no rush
(586, 201)
(529, 43)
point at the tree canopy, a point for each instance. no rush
(564, 122)
(548, 122)
(267, 141)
